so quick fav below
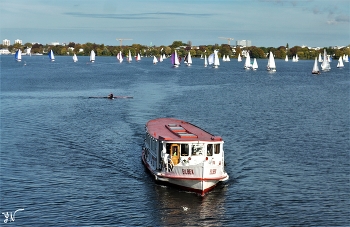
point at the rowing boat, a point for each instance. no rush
(114, 97)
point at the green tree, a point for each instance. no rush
(63, 51)
(177, 44)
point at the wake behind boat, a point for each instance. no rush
(181, 154)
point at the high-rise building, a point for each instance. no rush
(244, 43)
(6, 42)
(18, 41)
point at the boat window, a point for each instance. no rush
(217, 148)
(185, 149)
(197, 149)
(210, 150)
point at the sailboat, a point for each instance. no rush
(175, 60)
(120, 57)
(239, 57)
(271, 65)
(18, 55)
(129, 57)
(228, 58)
(92, 56)
(189, 59)
(346, 58)
(51, 55)
(205, 61)
(247, 64)
(255, 64)
(315, 69)
(155, 60)
(286, 59)
(320, 58)
(160, 58)
(75, 58)
(213, 59)
(138, 57)
(325, 66)
(164, 57)
(295, 58)
(201, 56)
(224, 58)
(340, 62)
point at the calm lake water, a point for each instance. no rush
(68, 160)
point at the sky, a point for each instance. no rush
(267, 23)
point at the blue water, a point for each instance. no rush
(68, 160)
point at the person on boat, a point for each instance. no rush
(110, 96)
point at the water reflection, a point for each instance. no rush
(178, 207)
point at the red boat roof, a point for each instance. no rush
(179, 130)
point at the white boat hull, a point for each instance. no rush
(190, 178)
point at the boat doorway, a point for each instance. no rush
(175, 153)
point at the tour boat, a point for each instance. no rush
(179, 153)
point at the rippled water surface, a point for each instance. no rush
(68, 160)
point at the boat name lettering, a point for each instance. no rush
(188, 171)
(212, 171)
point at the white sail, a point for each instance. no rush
(247, 64)
(120, 57)
(346, 58)
(271, 65)
(228, 58)
(205, 61)
(155, 60)
(18, 55)
(189, 59)
(129, 57)
(51, 56)
(138, 57)
(320, 58)
(239, 57)
(216, 59)
(255, 64)
(75, 58)
(92, 56)
(315, 69)
(286, 59)
(224, 58)
(160, 58)
(175, 60)
(340, 62)
(325, 66)
(164, 57)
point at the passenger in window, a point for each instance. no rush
(210, 150)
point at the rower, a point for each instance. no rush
(110, 96)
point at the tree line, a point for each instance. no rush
(182, 50)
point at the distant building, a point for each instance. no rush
(18, 41)
(4, 51)
(55, 43)
(244, 43)
(6, 42)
